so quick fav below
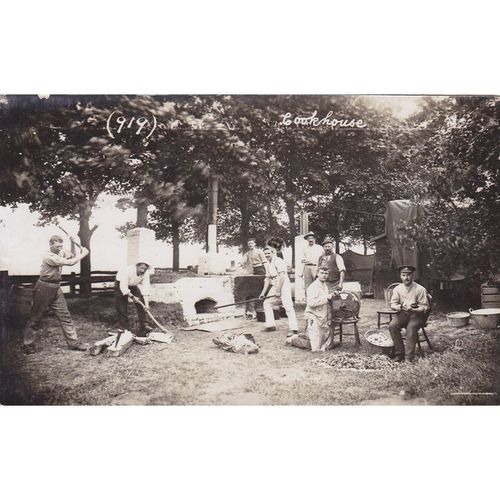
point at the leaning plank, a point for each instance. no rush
(124, 343)
(100, 345)
(161, 337)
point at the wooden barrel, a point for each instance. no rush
(490, 296)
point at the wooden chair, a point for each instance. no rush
(421, 331)
(344, 310)
(386, 310)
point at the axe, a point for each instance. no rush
(56, 223)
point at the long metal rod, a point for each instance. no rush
(244, 301)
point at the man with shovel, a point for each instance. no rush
(128, 281)
(48, 294)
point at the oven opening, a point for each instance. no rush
(205, 306)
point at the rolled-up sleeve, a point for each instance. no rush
(340, 263)
(122, 278)
(56, 260)
(146, 284)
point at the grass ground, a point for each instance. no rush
(193, 371)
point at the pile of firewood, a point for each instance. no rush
(118, 342)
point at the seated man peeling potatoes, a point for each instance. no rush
(410, 301)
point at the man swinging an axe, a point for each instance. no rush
(48, 294)
(129, 282)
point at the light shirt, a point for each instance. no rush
(276, 267)
(127, 276)
(52, 264)
(317, 302)
(254, 258)
(406, 296)
(312, 254)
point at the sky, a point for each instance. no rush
(22, 243)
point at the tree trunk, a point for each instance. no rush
(175, 245)
(245, 220)
(290, 210)
(365, 247)
(142, 213)
(85, 233)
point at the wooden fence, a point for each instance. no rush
(73, 280)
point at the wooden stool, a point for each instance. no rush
(381, 312)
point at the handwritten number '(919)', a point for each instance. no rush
(142, 124)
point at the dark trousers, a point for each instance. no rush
(121, 305)
(412, 322)
(50, 296)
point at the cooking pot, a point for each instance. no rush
(486, 319)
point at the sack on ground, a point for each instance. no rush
(237, 342)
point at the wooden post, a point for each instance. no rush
(4, 293)
(72, 284)
(213, 191)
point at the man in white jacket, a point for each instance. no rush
(128, 284)
(317, 333)
(278, 284)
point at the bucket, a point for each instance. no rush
(377, 347)
(458, 319)
(261, 317)
(487, 319)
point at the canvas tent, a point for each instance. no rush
(391, 248)
(359, 268)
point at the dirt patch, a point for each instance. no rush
(193, 371)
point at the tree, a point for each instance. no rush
(59, 159)
(458, 149)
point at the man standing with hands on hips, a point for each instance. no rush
(410, 301)
(335, 265)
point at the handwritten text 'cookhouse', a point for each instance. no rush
(326, 121)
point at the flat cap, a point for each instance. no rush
(327, 240)
(407, 269)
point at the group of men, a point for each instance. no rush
(48, 294)
(323, 274)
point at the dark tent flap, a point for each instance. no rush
(358, 267)
(400, 212)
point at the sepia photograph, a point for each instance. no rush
(250, 249)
